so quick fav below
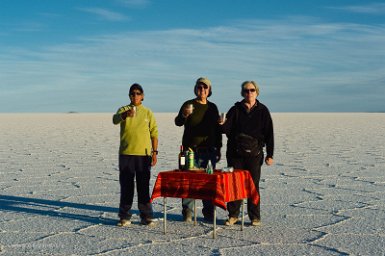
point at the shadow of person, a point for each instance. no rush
(90, 213)
(51, 208)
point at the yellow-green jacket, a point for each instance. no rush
(136, 132)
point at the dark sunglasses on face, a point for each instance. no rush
(202, 86)
(135, 93)
(248, 90)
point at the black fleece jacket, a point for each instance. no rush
(256, 123)
(201, 128)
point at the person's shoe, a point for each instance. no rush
(231, 221)
(124, 223)
(255, 222)
(187, 216)
(147, 222)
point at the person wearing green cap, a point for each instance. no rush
(203, 135)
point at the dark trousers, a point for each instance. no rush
(129, 168)
(202, 157)
(253, 165)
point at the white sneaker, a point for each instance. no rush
(255, 222)
(231, 221)
(148, 222)
(124, 223)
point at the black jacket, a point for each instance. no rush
(201, 128)
(256, 123)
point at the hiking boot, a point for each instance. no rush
(147, 222)
(187, 216)
(124, 223)
(231, 221)
(255, 222)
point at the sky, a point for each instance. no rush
(82, 56)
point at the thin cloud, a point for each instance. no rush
(105, 14)
(133, 3)
(375, 8)
(308, 62)
(30, 27)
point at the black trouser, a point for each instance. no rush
(129, 167)
(253, 165)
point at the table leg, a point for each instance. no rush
(164, 215)
(243, 214)
(215, 223)
(195, 213)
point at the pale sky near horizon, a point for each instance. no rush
(77, 55)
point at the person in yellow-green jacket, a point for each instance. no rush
(137, 153)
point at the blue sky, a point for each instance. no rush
(77, 55)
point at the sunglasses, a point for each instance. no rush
(248, 90)
(135, 93)
(202, 86)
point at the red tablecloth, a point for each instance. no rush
(219, 187)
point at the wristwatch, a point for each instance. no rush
(155, 151)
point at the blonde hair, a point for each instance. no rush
(250, 82)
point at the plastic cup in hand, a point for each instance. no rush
(222, 118)
(133, 111)
(189, 109)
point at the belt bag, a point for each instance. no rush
(247, 146)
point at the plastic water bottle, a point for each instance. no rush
(209, 168)
(191, 160)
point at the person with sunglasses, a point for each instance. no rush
(248, 124)
(203, 135)
(137, 153)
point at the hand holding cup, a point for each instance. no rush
(132, 111)
(188, 110)
(222, 118)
